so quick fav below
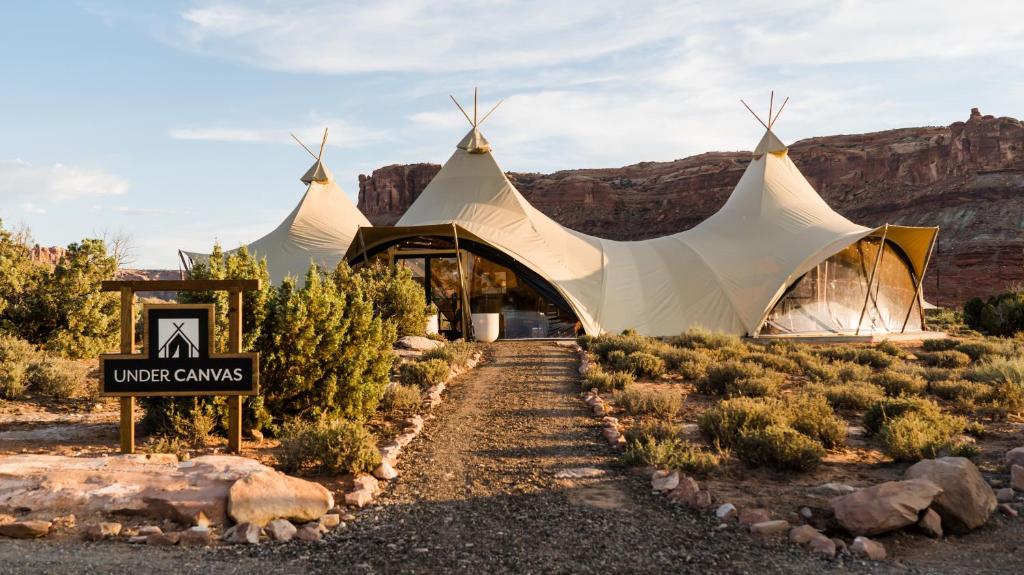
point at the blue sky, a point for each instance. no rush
(169, 121)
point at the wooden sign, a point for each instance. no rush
(176, 348)
(178, 358)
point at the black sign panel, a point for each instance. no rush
(177, 358)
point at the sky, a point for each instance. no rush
(168, 122)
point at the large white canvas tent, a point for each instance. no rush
(774, 259)
(319, 230)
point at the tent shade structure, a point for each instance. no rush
(319, 230)
(775, 259)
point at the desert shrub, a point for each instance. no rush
(851, 371)
(1003, 399)
(606, 382)
(400, 400)
(396, 296)
(774, 361)
(889, 408)
(691, 364)
(949, 359)
(16, 355)
(812, 415)
(862, 355)
(332, 445)
(196, 427)
(627, 343)
(975, 429)
(998, 315)
(896, 383)
(166, 444)
(965, 447)
(915, 435)
(616, 359)
(940, 344)
(424, 374)
(734, 378)
(853, 395)
(889, 348)
(723, 424)
(456, 353)
(658, 403)
(699, 338)
(996, 370)
(669, 453)
(584, 341)
(779, 447)
(644, 364)
(979, 350)
(60, 378)
(814, 368)
(931, 374)
(957, 389)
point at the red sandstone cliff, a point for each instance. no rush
(967, 178)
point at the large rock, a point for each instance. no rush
(263, 497)
(280, 530)
(25, 529)
(664, 480)
(884, 507)
(417, 343)
(966, 501)
(1017, 477)
(868, 548)
(1015, 456)
(155, 486)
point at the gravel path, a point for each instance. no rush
(478, 494)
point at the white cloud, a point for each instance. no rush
(341, 133)
(21, 181)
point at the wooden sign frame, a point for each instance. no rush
(234, 289)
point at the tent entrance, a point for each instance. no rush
(527, 307)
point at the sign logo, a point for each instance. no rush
(178, 338)
(178, 358)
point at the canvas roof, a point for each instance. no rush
(725, 274)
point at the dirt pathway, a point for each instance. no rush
(478, 493)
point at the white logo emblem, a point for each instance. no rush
(178, 337)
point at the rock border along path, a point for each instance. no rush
(479, 491)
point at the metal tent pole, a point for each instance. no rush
(920, 282)
(467, 326)
(871, 278)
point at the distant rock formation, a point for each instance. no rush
(49, 256)
(967, 178)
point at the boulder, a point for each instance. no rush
(102, 531)
(385, 471)
(930, 524)
(754, 515)
(280, 530)
(262, 497)
(368, 482)
(726, 511)
(1015, 456)
(1017, 477)
(664, 480)
(966, 501)
(884, 507)
(417, 343)
(243, 533)
(823, 546)
(25, 529)
(769, 528)
(804, 534)
(868, 548)
(686, 490)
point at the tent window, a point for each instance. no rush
(829, 298)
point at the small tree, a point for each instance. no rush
(19, 276)
(396, 296)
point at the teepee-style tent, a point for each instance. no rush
(774, 259)
(319, 230)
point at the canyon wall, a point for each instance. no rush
(967, 178)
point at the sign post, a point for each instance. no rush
(177, 356)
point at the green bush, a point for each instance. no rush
(849, 371)
(584, 341)
(814, 368)
(659, 429)
(401, 400)
(617, 360)
(658, 403)
(456, 353)
(739, 378)
(940, 344)
(700, 338)
(16, 355)
(396, 296)
(879, 413)
(604, 344)
(914, 435)
(979, 350)
(949, 359)
(896, 383)
(853, 395)
(812, 415)
(723, 424)
(998, 315)
(779, 447)
(691, 364)
(889, 348)
(957, 389)
(932, 374)
(997, 370)
(645, 364)
(775, 362)
(1003, 399)
(330, 445)
(424, 374)
(862, 355)
(606, 382)
(60, 378)
(669, 453)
